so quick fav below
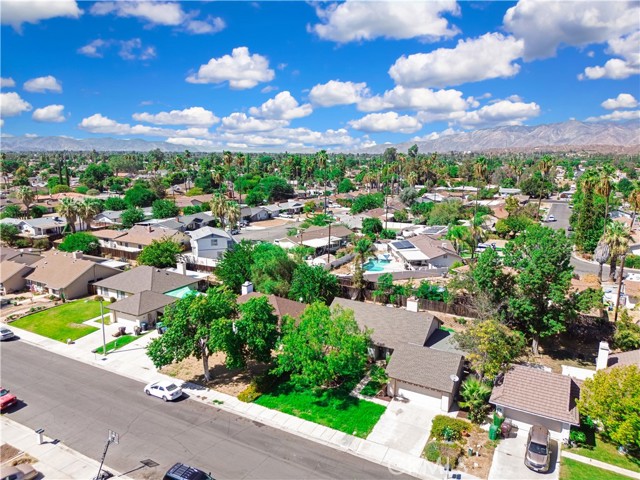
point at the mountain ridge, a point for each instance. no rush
(601, 137)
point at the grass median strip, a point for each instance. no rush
(62, 322)
(573, 470)
(332, 408)
(117, 343)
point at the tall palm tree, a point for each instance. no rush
(361, 249)
(601, 255)
(233, 213)
(545, 165)
(219, 208)
(26, 196)
(412, 178)
(68, 208)
(477, 234)
(634, 201)
(617, 236)
(479, 173)
(87, 209)
(457, 234)
(604, 186)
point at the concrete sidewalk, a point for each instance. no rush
(602, 465)
(131, 361)
(55, 460)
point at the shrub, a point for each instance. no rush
(388, 234)
(578, 436)
(82, 189)
(443, 452)
(41, 244)
(23, 243)
(260, 384)
(632, 261)
(249, 394)
(446, 425)
(627, 335)
(93, 192)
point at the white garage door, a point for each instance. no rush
(524, 421)
(424, 397)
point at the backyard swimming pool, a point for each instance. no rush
(376, 265)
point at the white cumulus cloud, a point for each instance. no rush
(386, 122)
(134, 50)
(188, 116)
(624, 100)
(617, 116)
(282, 107)
(7, 82)
(240, 122)
(403, 98)
(43, 84)
(95, 48)
(189, 142)
(11, 104)
(17, 12)
(241, 69)
(357, 20)
(544, 26)
(489, 56)
(502, 112)
(50, 113)
(625, 47)
(335, 92)
(209, 25)
(98, 123)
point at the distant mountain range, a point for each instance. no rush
(600, 137)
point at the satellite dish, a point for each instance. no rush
(454, 378)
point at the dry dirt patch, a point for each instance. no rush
(480, 465)
(13, 456)
(224, 380)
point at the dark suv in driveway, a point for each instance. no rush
(180, 471)
(538, 454)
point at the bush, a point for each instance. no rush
(578, 436)
(453, 427)
(93, 192)
(23, 243)
(388, 234)
(632, 261)
(260, 384)
(443, 452)
(249, 394)
(627, 335)
(41, 244)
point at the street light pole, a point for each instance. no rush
(104, 337)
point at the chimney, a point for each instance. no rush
(603, 356)
(77, 255)
(182, 268)
(412, 304)
(247, 287)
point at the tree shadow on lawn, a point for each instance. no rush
(338, 398)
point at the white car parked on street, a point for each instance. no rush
(164, 389)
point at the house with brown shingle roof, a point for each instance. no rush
(531, 395)
(12, 276)
(281, 306)
(424, 252)
(416, 372)
(67, 275)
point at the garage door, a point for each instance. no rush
(420, 396)
(524, 421)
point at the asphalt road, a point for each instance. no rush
(562, 213)
(77, 404)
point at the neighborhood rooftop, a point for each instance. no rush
(144, 278)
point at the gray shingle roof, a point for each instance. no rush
(206, 231)
(60, 271)
(8, 269)
(141, 303)
(391, 326)
(281, 306)
(425, 367)
(144, 278)
(535, 391)
(625, 358)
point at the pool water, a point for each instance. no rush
(376, 265)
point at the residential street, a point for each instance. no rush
(78, 404)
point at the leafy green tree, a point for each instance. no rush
(131, 216)
(60, 188)
(475, 394)
(38, 211)
(422, 209)
(542, 257)
(367, 201)
(625, 186)
(160, 254)
(491, 347)
(512, 225)
(275, 188)
(311, 284)
(371, 226)
(81, 241)
(408, 196)
(388, 234)
(346, 186)
(26, 195)
(400, 216)
(251, 336)
(9, 233)
(612, 397)
(490, 278)
(325, 349)
(95, 175)
(384, 287)
(139, 196)
(272, 269)
(235, 267)
(627, 334)
(189, 324)
(446, 213)
(164, 209)
(11, 211)
(115, 204)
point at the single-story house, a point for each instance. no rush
(281, 306)
(24, 256)
(320, 238)
(108, 218)
(530, 395)
(424, 252)
(68, 275)
(42, 227)
(420, 373)
(135, 282)
(254, 214)
(12, 276)
(129, 243)
(507, 192)
(182, 223)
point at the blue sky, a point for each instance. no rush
(302, 76)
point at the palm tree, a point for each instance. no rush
(457, 234)
(233, 213)
(412, 178)
(68, 208)
(634, 201)
(601, 255)
(479, 172)
(26, 196)
(604, 186)
(361, 249)
(219, 208)
(617, 236)
(475, 393)
(477, 234)
(88, 209)
(323, 159)
(545, 166)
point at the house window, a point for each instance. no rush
(214, 242)
(120, 294)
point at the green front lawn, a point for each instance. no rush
(117, 343)
(572, 470)
(62, 322)
(331, 408)
(608, 453)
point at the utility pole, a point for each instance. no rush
(329, 246)
(112, 438)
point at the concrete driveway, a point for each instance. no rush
(405, 426)
(508, 460)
